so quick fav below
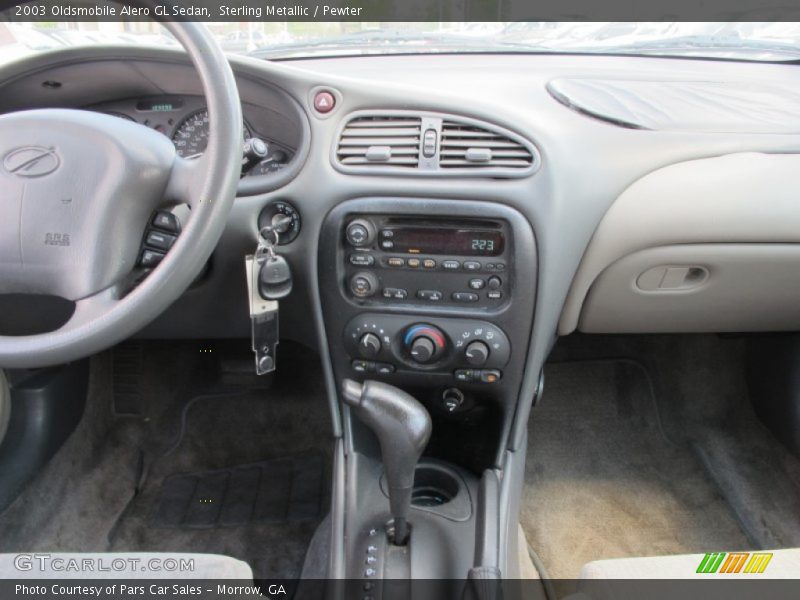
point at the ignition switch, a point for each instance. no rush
(283, 218)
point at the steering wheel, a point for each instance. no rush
(76, 191)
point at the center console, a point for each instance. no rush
(436, 298)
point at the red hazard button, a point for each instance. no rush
(324, 102)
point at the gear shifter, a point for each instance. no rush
(403, 428)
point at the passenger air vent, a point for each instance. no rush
(431, 144)
(385, 140)
(468, 146)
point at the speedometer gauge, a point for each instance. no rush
(191, 136)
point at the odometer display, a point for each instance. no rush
(191, 136)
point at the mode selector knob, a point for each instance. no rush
(360, 232)
(477, 353)
(424, 343)
(369, 345)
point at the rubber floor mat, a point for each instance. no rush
(273, 491)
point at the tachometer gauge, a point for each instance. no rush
(191, 136)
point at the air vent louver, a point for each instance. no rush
(466, 146)
(383, 140)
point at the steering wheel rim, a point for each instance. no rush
(208, 184)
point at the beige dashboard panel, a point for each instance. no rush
(746, 199)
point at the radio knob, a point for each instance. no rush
(370, 345)
(424, 343)
(360, 232)
(477, 353)
(364, 284)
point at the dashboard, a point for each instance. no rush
(579, 169)
(452, 215)
(184, 119)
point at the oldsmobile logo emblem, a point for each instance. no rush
(31, 161)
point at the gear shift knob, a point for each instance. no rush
(403, 428)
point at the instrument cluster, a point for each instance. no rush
(184, 119)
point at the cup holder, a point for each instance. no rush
(433, 487)
(439, 488)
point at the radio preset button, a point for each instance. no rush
(464, 297)
(472, 265)
(429, 295)
(477, 284)
(451, 265)
(396, 293)
(362, 260)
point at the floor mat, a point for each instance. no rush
(192, 411)
(276, 491)
(204, 452)
(602, 481)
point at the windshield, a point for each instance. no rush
(271, 40)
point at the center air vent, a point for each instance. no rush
(469, 146)
(423, 143)
(391, 141)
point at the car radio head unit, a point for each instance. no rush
(403, 261)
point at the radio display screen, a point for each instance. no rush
(460, 242)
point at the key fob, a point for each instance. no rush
(275, 278)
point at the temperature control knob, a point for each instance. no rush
(477, 353)
(422, 349)
(424, 343)
(370, 345)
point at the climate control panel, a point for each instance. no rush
(468, 350)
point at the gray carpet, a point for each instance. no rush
(100, 491)
(602, 481)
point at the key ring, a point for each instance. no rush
(265, 244)
(268, 230)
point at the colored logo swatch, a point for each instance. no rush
(734, 562)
